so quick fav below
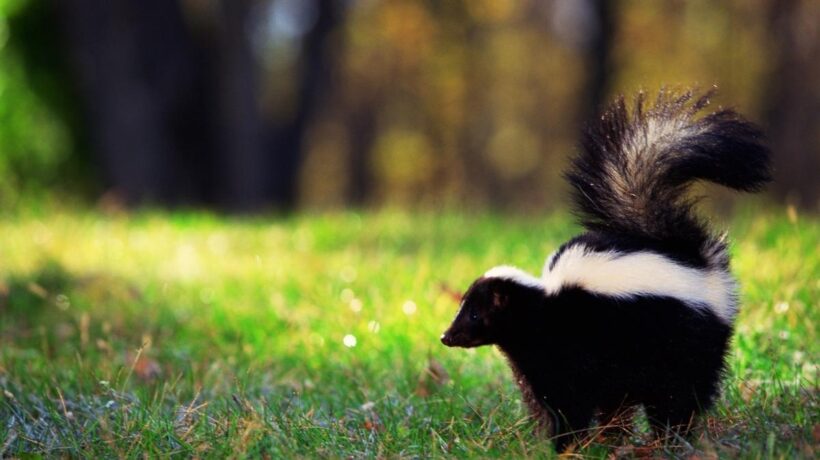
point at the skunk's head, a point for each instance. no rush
(490, 307)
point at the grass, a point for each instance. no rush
(194, 335)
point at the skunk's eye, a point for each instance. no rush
(473, 316)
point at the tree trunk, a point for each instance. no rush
(598, 58)
(243, 160)
(362, 129)
(316, 73)
(135, 68)
(793, 108)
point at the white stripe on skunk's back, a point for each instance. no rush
(632, 274)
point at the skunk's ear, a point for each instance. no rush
(499, 300)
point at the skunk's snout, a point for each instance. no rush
(446, 340)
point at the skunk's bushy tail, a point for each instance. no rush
(635, 165)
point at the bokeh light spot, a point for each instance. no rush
(349, 340)
(409, 308)
(374, 326)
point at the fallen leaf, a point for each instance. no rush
(371, 425)
(145, 368)
(748, 390)
(433, 377)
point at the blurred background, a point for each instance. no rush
(258, 105)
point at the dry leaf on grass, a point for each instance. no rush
(145, 368)
(748, 390)
(372, 421)
(433, 376)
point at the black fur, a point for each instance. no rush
(576, 354)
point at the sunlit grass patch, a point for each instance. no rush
(318, 335)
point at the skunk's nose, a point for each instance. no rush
(446, 340)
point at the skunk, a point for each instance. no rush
(639, 309)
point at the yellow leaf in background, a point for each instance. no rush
(791, 212)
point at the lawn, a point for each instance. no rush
(318, 335)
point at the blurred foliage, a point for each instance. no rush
(40, 129)
(436, 103)
(480, 101)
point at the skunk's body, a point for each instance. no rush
(640, 308)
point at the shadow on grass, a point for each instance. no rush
(26, 299)
(52, 302)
